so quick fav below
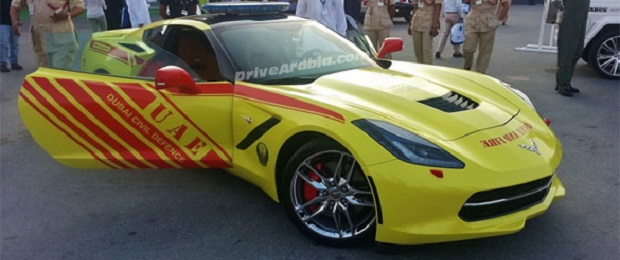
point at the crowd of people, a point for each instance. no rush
(55, 45)
(52, 31)
(483, 17)
(480, 20)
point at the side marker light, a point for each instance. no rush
(437, 173)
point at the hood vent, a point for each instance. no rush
(451, 102)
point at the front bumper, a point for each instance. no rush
(417, 207)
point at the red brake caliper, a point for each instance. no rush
(310, 192)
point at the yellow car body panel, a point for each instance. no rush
(433, 228)
(124, 123)
(405, 223)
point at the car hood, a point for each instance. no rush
(442, 103)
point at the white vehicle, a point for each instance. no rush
(602, 41)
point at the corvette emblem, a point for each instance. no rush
(531, 148)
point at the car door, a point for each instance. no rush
(101, 121)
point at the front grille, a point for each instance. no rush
(450, 102)
(503, 201)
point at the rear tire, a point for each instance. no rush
(327, 196)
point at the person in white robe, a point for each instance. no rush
(138, 13)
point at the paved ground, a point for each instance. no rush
(48, 211)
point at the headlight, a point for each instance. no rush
(520, 94)
(408, 146)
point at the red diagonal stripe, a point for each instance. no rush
(167, 146)
(214, 161)
(45, 103)
(219, 147)
(106, 118)
(81, 117)
(285, 101)
(138, 94)
(31, 103)
(215, 88)
(211, 89)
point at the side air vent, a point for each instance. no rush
(451, 102)
(133, 47)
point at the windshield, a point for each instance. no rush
(281, 53)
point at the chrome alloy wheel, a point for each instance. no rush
(605, 54)
(331, 195)
(609, 56)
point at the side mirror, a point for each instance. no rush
(390, 44)
(174, 77)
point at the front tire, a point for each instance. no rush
(605, 54)
(327, 196)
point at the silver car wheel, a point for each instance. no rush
(605, 55)
(331, 195)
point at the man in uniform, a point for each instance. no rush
(480, 26)
(378, 21)
(570, 43)
(424, 26)
(51, 29)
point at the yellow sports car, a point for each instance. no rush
(354, 147)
